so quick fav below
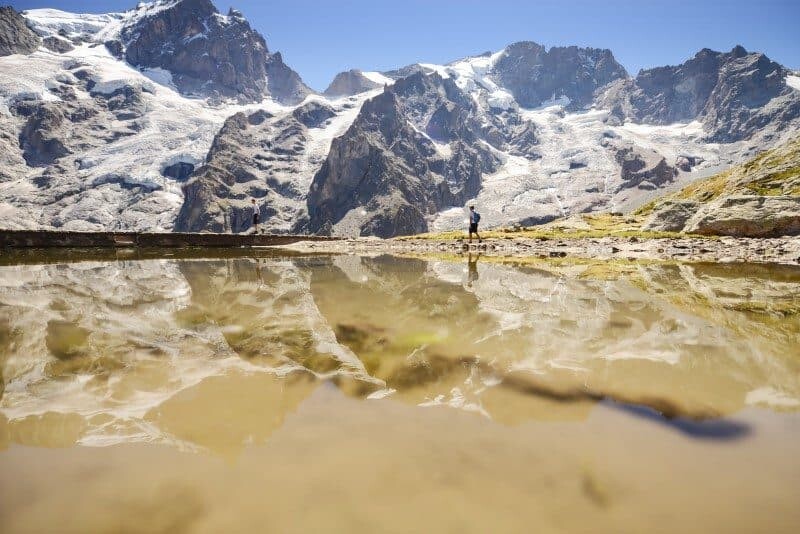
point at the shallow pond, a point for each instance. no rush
(279, 393)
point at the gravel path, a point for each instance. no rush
(785, 250)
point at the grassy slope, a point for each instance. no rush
(771, 173)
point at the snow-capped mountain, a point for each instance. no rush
(172, 116)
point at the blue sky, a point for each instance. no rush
(320, 38)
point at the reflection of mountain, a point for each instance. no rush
(215, 354)
(540, 333)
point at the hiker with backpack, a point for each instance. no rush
(256, 215)
(474, 219)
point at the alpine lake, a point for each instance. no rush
(263, 391)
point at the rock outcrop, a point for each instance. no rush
(411, 151)
(351, 82)
(11, 160)
(734, 94)
(42, 137)
(640, 167)
(15, 36)
(534, 74)
(57, 45)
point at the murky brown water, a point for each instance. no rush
(348, 394)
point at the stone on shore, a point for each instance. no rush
(748, 216)
(671, 216)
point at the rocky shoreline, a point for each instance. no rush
(782, 250)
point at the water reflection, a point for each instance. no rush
(215, 354)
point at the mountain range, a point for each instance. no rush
(172, 116)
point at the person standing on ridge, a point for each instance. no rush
(256, 216)
(474, 219)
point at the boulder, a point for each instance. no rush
(671, 216)
(639, 166)
(748, 216)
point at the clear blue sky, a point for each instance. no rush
(320, 38)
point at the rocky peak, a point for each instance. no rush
(15, 36)
(406, 156)
(534, 74)
(738, 51)
(348, 83)
(206, 52)
(284, 84)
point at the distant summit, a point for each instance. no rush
(733, 93)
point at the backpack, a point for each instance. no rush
(477, 217)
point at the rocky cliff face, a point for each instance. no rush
(15, 36)
(208, 53)
(534, 74)
(283, 84)
(412, 150)
(734, 94)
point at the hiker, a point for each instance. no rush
(256, 216)
(474, 219)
